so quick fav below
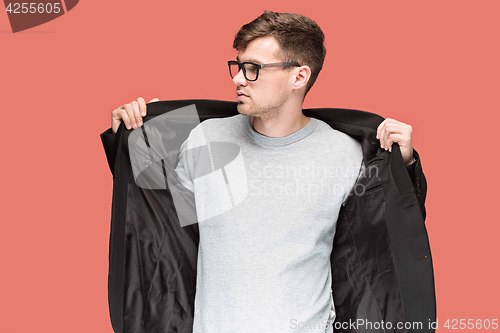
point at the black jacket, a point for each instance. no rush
(381, 261)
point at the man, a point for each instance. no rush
(264, 265)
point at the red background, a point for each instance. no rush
(432, 64)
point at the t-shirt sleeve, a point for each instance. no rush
(184, 167)
(189, 155)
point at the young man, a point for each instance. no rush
(264, 265)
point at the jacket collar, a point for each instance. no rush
(361, 125)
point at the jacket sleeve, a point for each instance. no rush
(419, 182)
(108, 139)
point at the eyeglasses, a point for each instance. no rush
(251, 70)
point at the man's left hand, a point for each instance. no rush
(390, 131)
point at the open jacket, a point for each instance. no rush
(381, 261)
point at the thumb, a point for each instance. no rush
(154, 100)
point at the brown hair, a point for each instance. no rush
(300, 38)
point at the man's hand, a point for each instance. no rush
(391, 130)
(131, 114)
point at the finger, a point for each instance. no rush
(402, 140)
(385, 122)
(393, 137)
(379, 128)
(392, 123)
(124, 116)
(137, 113)
(142, 106)
(154, 100)
(390, 129)
(388, 126)
(381, 133)
(130, 112)
(116, 113)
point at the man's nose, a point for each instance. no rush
(239, 79)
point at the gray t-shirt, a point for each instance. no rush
(267, 211)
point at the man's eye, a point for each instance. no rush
(251, 69)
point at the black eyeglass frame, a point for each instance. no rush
(241, 66)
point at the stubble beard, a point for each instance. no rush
(262, 111)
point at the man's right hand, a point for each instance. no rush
(131, 114)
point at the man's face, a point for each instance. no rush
(267, 95)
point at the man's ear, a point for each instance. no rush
(301, 76)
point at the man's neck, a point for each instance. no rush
(283, 124)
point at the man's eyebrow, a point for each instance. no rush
(250, 60)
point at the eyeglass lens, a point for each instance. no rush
(250, 71)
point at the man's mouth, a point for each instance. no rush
(240, 93)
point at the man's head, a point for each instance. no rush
(273, 38)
